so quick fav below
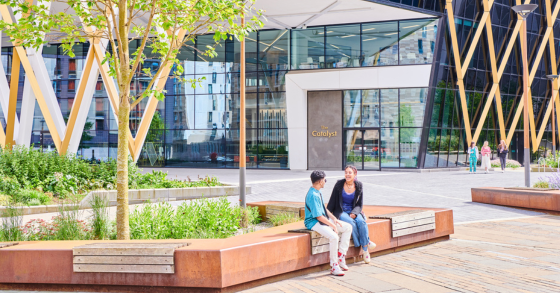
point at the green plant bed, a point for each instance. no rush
(198, 219)
(31, 177)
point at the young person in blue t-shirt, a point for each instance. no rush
(319, 219)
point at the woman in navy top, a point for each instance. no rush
(346, 204)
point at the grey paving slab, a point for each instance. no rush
(371, 284)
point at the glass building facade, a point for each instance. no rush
(445, 129)
(197, 125)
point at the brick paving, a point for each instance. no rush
(521, 255)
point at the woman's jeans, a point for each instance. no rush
(503, 161)
(472, 161)
(360, 231)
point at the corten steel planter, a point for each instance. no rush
(533, 198)
(206, 265)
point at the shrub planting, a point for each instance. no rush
(509, 163)
(202, 218)
(32, 177)
(283, 219)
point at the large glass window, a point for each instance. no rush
(369, 44)
(410, 146)
(370, 108)
(273, 49)
(417, 41)
(308, 48)
(388, 127)
(352, 108)
(380, 43)
(343, 46)
(412, 106)
(389, 107)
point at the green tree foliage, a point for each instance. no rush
(162, 27)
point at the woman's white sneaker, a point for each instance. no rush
(335, 270)
(367, 257)
(371, 245)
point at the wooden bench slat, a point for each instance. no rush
(159, 251)
(411, 217)
(8, 244)
(124, 260)
(110, 268)
(413, 230)
(419, 222)
(133, 245)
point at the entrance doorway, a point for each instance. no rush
(362, 149)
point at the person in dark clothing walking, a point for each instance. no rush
(502, 154)
(346, 204)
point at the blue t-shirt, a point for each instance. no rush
(347, 201)
(314, 207)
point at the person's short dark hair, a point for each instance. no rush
(317, 175)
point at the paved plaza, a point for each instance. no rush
(494, 248)
(447, 189)
(504, 256)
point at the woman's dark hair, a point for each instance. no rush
(317, 175)
(472, 142)
(351, 168)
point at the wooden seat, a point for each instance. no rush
(8, 244)
(155, 258)
(409, 222)
(319, 243)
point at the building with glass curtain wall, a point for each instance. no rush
(329, 83)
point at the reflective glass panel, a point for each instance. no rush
(389, 147)
(389, 107)
(352, 108)
(343, 46)
(370, 108)
(272, 80)
(206, 64)
(308, 48)
(273, 49)
(272, 110)
(371, 149)
(410, 146)
(196, 148)
(417, 41)
(412, 106)
(380, 44)
(353, 151)
(273, 148)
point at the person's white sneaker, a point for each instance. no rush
(367, 257)
(342, 261)
(335, 270)
(372, 245)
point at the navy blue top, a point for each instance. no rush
(347, 201)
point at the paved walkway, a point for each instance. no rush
(437, 189)
(507, 256)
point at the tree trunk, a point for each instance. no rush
(123, 229)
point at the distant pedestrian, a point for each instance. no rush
(486, 151)
(502, 154)
(473, 157)
(317, 219)
(346, 203)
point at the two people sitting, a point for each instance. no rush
(343, 215)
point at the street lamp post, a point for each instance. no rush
(242, 141)
(523, 11)
(553, 78)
